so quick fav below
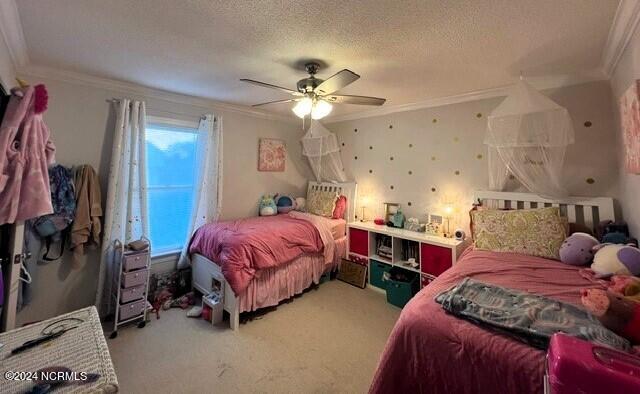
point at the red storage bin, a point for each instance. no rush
(434, 260)
(359, 241)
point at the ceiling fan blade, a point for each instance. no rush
(336, 82)
(268, 85)
(360, 100)
(275, 102)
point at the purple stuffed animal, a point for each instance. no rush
(577, 249)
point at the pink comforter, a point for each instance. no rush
(243, 247)
(430, 351)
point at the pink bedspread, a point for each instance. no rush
(430, 351)
(242, 247)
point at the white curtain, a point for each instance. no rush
(207, 201)
(322, 150)
(527, 135)
(126, 207)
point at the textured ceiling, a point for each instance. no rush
(405, 51)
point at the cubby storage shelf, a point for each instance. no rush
(435, 254)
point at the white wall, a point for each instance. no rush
(627, 70)
(7, 71)
(81, 123)
(443, 149)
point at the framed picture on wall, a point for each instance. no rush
(272, 154)
(630, 119)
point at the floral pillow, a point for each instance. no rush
(535, 232)
(321, 203)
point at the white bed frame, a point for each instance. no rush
(588, 211)
(204, 270)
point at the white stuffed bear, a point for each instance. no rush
(300, 204)
(616, 259)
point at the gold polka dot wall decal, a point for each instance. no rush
(370, 171)
(433, 189)
(343, 144)
(391, 187)
(587, 123)
(434, 120)
(410, 172)
(409, 203)
(355, 157)
(478, 115)
(410, 145)
(457, 172)
(391, 158)
(590, 181)
(390, 126)
(433, 158)
(479, 157)
(456, 139)
(370, 147)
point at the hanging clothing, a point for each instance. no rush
(207, 199)
(86, 228)
(25, 153)
(126, 217)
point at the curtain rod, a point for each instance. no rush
(117, 100)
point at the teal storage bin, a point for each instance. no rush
(401, 286)
(377, 270)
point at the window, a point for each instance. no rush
(171, 171)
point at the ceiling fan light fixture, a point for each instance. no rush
(303, 107)
(321, 109)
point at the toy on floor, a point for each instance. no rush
(285, 204)
(268, 206)
(611, 259)
(195, 311)
(181, 302)
(615, 312)
(577, 249)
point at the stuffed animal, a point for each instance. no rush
(577, 249)
(285, 204)
(613, 259)
(301, 202)
(267, 206)
(615, 312)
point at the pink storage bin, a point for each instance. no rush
(134, 278)
(578, 366)
(135, 261)
(131, 294)
(133, 309)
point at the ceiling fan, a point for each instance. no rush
(315, 96)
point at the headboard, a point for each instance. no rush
(348, 189)
(588, 211)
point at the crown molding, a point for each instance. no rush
(540, 83)
(624, 25)
(11, 29)
(121, 87)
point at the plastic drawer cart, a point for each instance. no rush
(132, 284)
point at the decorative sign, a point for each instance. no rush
(630, 118)
(272, 155)
(353, 273)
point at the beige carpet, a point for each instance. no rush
(327, 340)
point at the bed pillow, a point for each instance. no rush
(341, 207)
(534, 232)
(321, 203)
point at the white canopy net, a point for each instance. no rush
(527, 135)
(322, 150)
